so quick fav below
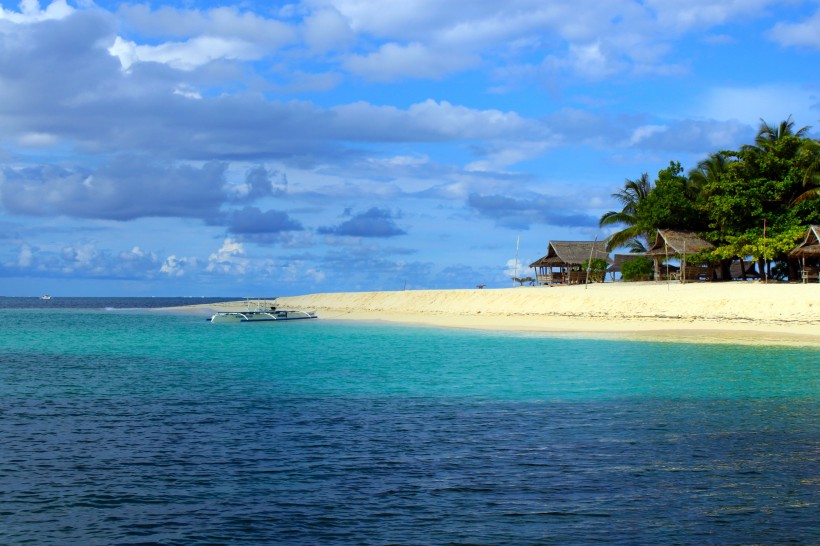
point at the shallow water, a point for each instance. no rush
(135, 427)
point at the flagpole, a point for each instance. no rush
(589, 263)
(517, 242)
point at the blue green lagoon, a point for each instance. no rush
(132, 426)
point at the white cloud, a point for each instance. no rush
(31, 12)
(228, 259)
(173, 266)
(700, 14)
(327, 29)
(645, 131)
(415, 60)
(803, 34)
(185, 55)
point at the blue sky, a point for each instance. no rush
(267, 148)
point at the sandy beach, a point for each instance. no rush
(743, 312)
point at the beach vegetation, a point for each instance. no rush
(596, 267)
(630, 198)
(755, 202)
(637, 269)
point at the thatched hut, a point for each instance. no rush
(669, 242)
(564, 261)
(808, 252)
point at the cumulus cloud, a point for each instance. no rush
(186, 55)
(31, 12)
(374, 222)
(173, 266)
(125, 189)
(229, 259)
(327, 30)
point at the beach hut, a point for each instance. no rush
(564, 261)
(670, 242)
(809, 254)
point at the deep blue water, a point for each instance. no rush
(134, 427)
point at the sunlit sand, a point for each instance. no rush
(737, 312)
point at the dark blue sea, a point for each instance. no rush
(123, 424)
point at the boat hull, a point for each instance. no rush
(261, 316)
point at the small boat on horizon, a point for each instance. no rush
(45, 297)
(260, 314)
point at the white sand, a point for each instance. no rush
(743, 312)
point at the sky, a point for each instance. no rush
(250, 149)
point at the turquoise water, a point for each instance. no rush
(134, 427)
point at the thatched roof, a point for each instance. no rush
(671, 242)
(810, 245)
(565, 253)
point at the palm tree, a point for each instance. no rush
(768, 135)
(809, 154)
(633, 193)
(707, 172)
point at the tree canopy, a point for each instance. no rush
(756, 201)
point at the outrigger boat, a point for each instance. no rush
(261, 313)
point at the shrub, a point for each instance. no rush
(597, 269)
(637, 269)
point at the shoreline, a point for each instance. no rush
(747, 312)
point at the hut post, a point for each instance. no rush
(656, 261)
(803, 271)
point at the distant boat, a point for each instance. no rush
(45, 297)
(259, 314)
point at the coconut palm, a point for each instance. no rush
(768, 135)
(633, 193)
(809, 155)
(707, 172)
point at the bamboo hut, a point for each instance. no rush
(669, 242)
(809, 254)
(563, 263)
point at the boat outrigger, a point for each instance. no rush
(262, 312)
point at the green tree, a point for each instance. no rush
(763, 183)
(669, 205)
(809, 158)
(630, 197)
(707, 172)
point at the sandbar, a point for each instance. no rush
(728, 312)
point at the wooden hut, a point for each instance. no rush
(669, 242)
(564, 262)
(808, 252)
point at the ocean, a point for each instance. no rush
(125, 425)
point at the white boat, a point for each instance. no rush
(46, 297)
(261, 313)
